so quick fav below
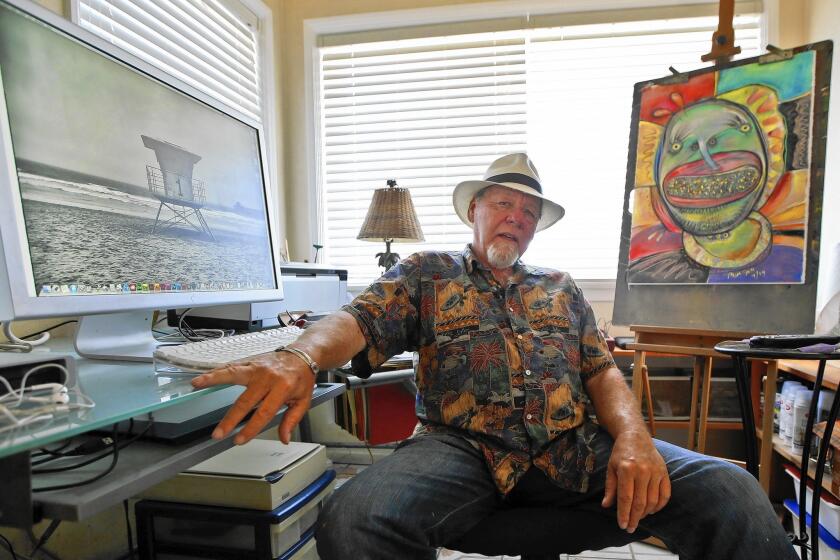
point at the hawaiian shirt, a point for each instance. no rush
(503, 366)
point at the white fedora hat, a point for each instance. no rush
(514, 171)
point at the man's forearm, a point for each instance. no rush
(617, 409)
(333, 340)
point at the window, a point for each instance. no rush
(211, 45)
(433, 111)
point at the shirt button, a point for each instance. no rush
(519, 336)
(510, 309)
(527, 372)
(528, 416)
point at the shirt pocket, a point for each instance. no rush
(548, 312)
(557, 353)
(564, 408)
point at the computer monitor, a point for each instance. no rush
(122, 190)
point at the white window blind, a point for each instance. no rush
(435, 111)
(205, 44)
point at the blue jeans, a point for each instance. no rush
(435, 488)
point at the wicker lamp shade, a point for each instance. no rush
(391, 218)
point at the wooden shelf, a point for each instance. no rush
(783, 449)
(807, 370)
(711, 425)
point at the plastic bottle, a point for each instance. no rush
(801, 408)
(786, 409)
(777, 408)
(823, 409)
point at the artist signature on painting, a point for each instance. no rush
(746, 273)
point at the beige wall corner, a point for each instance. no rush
(822, 21)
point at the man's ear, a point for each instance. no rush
(471, 211)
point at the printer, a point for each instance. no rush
(317, 289)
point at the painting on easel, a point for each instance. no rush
(720, 176)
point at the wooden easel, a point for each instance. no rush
(687, 342)
(723, 40)
(690, 342)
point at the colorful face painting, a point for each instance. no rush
(722, 176)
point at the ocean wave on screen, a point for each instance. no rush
(107, 199)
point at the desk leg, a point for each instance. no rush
(742, 374)
(704, 403)
(16, 509)
(766, 462)
(695, 398)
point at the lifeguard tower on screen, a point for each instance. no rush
(172, 184)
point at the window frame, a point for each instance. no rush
(597, 290)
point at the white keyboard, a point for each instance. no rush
(216, 352)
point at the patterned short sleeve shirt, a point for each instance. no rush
(504, 366)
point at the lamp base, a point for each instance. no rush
(387, 259)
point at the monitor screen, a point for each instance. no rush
(126, 189)
(126, 184)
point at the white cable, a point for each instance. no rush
(22, 422)
(58, 399)
(7, 330)
(19, 393)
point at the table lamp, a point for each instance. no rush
(391, 218)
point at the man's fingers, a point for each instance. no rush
(664, 493)
(230, 374)
(292, 418)
(609, 489)
(238, 411)
(271, 403)
(641, 482)
(624, 495)
(654, 487)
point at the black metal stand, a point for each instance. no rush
(740, 352)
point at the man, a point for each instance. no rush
(510, 360)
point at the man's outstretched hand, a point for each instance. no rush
(271, 381)
(637, 479)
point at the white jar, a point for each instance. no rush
(801, 409)
(786, 411)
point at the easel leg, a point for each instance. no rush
(641, 382)
(695, 393)
(704, 404)
(766, 456)
(649, 397)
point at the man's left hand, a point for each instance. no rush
(637, 479)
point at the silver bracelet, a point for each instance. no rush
(313, 365)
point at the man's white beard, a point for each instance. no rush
(502, 254)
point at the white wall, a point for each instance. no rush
(823, 22)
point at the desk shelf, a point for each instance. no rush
(141, 465)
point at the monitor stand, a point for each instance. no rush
(117, 336)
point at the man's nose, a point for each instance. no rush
(516, 217)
